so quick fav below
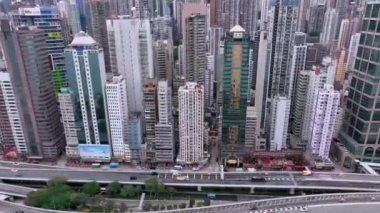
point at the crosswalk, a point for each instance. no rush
(282, 209)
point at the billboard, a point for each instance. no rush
(32, 11)
(95, 152)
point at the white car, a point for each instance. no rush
(196, 169)
(14, 170)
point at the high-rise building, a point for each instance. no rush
(164, 61)
(283, 28)
(131, 54)
(117, 107)
(352, 51)
(340, 73)
(151, 117)
(315, 17)
(97, 13)
(361, 124)
(162, 28)
(70, 11)
(48, 20)
(164, 142)
(250, 129)
(330, 26)
(344, 33)
(121, 7)
(235, 95)
(325, 109)
(191, 123)
(87, 81)
(11, 129)
(178, 81)
(243, 12)
(279, 123)
(26, 53)
(195, 48)
(297, 65)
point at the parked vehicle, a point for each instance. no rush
(182, 178)
(113, 165)
(95, 165)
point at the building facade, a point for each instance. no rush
(191, 123)
(279, 123)
(235, 94)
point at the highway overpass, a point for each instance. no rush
(273, 180)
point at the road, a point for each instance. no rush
(336, 208)
(272, 179)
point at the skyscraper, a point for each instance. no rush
(330, 25)
(70, 11)
(283, 31)
(250, 129)
(325, 109)
(344, 33)
(11, 129)
(235, 94)
(195, 48)
(340, 73)
(352, 51)
(97, 13)
(151, 117)
(117, 107)
(191, 123)
(360, 129)
(315, 18)
(164, 60)
(48, 20)
(279, 123)
(86, 77)
(131, 55)
(33, 88)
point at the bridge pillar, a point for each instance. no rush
(291, 191)
(199, 188)
(252, 190)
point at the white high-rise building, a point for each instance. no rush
(164, 94)
(131, 55)
(279, 123)
(191, 122)
(325, 108)
(329, 26)
(250, 128)
(316, 79)
(353, 49)
(10, 117)
(344, 33)
(117, 106)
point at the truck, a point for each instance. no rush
(113, 165)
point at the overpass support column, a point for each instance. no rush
(291, 191)
(199, 188)
(252, 190)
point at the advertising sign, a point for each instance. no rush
(96, 152)
(55, 35)
(33, 11)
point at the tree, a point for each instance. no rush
(162, 207)
(182, 205)
(191, 203)
(113, 189)
(123, 207)
(128, 192)
(155, 208)
(57, 180)
(109, 206)
(154, 185)
(91, 188)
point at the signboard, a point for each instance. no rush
(95, 152)
(55, 35)
(33, 11)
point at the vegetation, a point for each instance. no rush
(155, 186)
(147, 207)
(191, 204)
(91, 188)
(182, 205)
(206, 202)
(129, 192)
(113, 189)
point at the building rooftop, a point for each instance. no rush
(83, 39)
(237, 28)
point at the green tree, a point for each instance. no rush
(155, 186)
(128, 192)
(207, 202)
(113, 189)
(182, 205)
(109, 206)
(91, 188)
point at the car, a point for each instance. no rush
(303, 209)
(154, 173)
(14, 170)
(132, 178)
(18, 175)
(253, 208)
(196, 169)
(152, 168)
(257, 179)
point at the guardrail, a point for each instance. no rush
(288, 201)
